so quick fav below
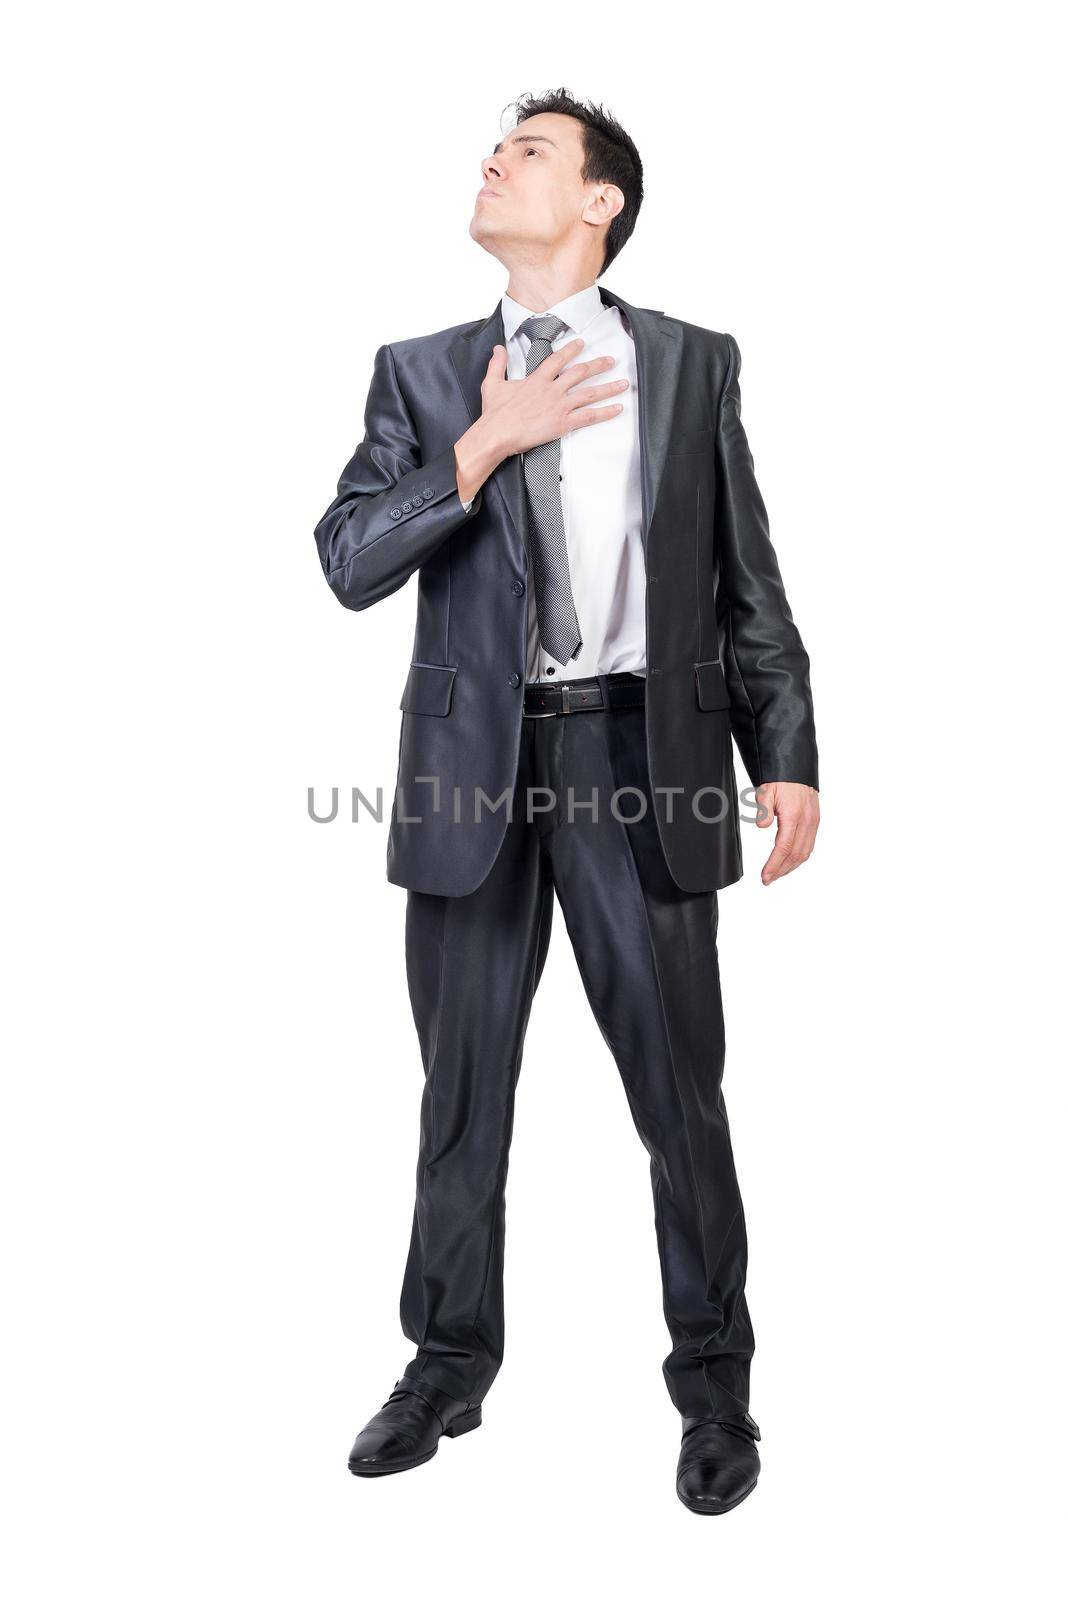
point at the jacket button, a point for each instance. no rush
(513, 679)
(407, 506)
(395, 514)
(518, 586)
(417, 499)
(428, 492)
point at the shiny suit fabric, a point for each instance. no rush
(639, 898)
(723, 653)
(646, 952)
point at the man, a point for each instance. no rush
(600, 608)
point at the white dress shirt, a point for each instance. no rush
(600, 492)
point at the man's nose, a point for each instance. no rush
(492, 167)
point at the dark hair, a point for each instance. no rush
(611, 157)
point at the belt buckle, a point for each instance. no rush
(538, 716)
(565, 699)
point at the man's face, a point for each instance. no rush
(533, 193)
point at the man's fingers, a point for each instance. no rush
(783, 858)
(794, 842)
(599, 391)
(559, 359)
(581, 370)
(582, 419)
(498, 362)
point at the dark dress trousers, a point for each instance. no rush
(636, 873)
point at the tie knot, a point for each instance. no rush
(546, 328)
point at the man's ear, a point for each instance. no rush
(607, 203)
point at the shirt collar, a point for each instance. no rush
(578, 310)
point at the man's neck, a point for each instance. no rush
(538, 288)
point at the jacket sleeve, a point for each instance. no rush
(392, 509)
(764, 661)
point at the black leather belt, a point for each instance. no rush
(608, 691)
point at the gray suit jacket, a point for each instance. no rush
(723, 653)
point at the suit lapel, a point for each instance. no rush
(658, 355)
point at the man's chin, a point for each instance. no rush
(489, 238)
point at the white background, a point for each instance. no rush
(216, 214)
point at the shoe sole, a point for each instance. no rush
(715, 1511)
(455, 1430)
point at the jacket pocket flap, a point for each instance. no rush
(711, 686)
(428, 689)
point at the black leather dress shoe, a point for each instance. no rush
(718, 1462)
(406, 1431)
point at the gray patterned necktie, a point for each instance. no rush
(557, 619)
